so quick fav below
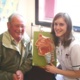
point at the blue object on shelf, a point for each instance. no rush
(76, 28)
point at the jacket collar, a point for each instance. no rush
(7, 41)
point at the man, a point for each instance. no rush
(15, 50)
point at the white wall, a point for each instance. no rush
(27, 9)
(71, 7)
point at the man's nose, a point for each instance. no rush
(20, 28)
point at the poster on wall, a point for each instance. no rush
(7, 7)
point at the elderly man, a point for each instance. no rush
(15, 50)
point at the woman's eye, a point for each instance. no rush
(55, 24)
(61, 24)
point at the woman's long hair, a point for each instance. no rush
(68, 35)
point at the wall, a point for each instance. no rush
(27, 9)
(71, 7)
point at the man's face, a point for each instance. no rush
(16, 27)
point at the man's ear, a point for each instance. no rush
(8, 24)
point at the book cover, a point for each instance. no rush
(40, 60)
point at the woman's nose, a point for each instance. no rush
(57, 26)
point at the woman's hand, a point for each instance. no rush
(51, 68)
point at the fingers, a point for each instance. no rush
(51, 64)
(15, 77)
(19, 75)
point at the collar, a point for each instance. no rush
(8, 39)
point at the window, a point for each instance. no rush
(46, 9)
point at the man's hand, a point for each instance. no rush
(15, 77)
(19, 75)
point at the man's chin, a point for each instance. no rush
(19, 38)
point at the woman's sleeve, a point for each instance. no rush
(75, 56)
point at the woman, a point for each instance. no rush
(67, 48)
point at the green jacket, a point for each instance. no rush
(11, 60)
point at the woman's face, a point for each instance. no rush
(60, 27)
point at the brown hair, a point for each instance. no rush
(68, 35)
